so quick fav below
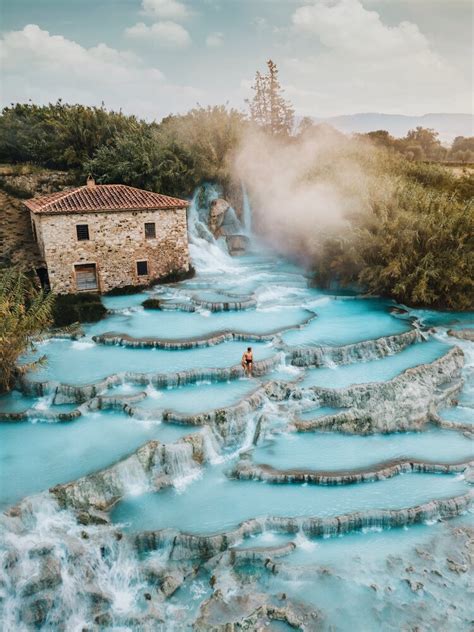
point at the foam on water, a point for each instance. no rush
(334, 451)
(195, 510)
(201, 497)
(60, 452)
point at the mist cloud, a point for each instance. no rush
(304, 189)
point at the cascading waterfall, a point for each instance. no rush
(247, 212)
(208, 254)
(148, 521)
(179, 465)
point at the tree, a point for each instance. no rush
(268, 108)
(426, 139)
(381, 138)
(25, 313)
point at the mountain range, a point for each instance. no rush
(447, 125)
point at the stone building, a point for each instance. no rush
(98, 237)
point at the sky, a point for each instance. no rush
(156, 57)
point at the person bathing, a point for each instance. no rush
(247, 362)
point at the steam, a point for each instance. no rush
(305, 188)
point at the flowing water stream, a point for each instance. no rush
(330, 490)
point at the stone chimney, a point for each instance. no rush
(90, 181)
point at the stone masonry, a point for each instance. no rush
(117, 240)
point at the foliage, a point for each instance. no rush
(268, 108)
(415, 245)
(25, 313)
(423, 144)
(77, 308)
(173, 156)
(58, 135)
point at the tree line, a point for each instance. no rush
(427, 257)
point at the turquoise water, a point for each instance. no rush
(83, 362)
(16, 402)
(376, 370)
(333, 451)
(343, 321)
(60, 452)
(197, 398)
(360, 581)
(313, 413)
(214, 503)
(176, 325)
(36, 455)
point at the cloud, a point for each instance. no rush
(165, 34)
(214, 40)
(44, 67)
(167, 9)
(368, 64)
(349, 28)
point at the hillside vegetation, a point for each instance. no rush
(412, 238)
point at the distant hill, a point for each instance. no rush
(448, 125)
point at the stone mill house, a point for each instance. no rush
(102, 236)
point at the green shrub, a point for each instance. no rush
(416, 246)
(77, 308)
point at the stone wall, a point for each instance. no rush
(116, 242)
(18, 182)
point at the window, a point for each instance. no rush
(82, 231)
(86, 276)
(150, 230)
(33, 228)
(142, 268)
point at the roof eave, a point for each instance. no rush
(46, 211)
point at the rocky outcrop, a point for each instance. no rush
(187, 546)
(43, 415)
(406, 402)
(16, 184)
(357, 352)
(251, 554)
(462, 334)
(223, 222)
(214, 338)
(153, 466)
(237, 244)
(253, 611)
(246, 469)
(68, 393)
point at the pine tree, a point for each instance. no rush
(268, 108)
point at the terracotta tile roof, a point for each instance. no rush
(102, 198)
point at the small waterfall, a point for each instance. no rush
(211, 446)
(132, 477)
(47, 550)
(179, 465)
(207, 254)
(247, 212)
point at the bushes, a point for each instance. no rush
(73, 308)
(25, 314)
(416, 246)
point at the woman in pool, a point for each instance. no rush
(247, 362)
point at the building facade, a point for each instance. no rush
(99, 237)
